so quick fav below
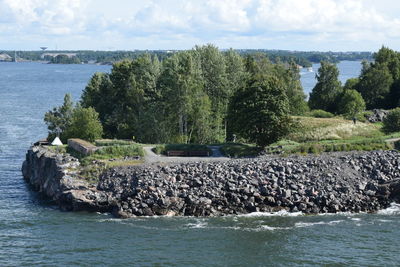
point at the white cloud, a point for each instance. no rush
(289, 24)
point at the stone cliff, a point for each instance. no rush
(55, 175)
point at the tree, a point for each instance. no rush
(294, 89)
(85, 124)
(391, 123)
(324, 94)
(186, 107)
(59, 119)
(213, 71)
(374, 86)
(91, 94)
(260, 111)
(351, 103)
(351, 83)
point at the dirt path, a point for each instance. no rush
(152, 157)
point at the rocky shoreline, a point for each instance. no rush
(327, 183)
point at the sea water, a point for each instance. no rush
(34, 232)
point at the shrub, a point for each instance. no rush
(391, 123)
(319, 113)
(351, 103)
(85, 124)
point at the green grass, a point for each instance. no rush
(116, 152)
(113, 142)
(162, 149)
(238, 150)
(107, 157)
(59, 149)
(316, 148)
(319, 129)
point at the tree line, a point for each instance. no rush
(205, 95)
(377, 87)
(196, 96)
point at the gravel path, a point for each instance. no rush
(152, 157)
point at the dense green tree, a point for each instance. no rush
(379, 80)
(91, 94)
(374, 86)
(216, 85)
(351, 83)
(260, 111)
(391, 58)
(85, 124)
(328, 88)
(184, 98)
(294, 90)
(235, 71)
(351, 103)
(59, 119)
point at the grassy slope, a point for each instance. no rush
(315, 135)
(318, 129)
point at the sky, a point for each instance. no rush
(303, 25)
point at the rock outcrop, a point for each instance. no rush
(336, 182)
(378, 115)
(55, 175)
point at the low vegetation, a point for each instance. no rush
(318, 129)
(238, 150)
(162, 149)
(391, 123)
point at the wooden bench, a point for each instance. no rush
(199, 153)
(195, 153)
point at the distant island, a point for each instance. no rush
(302, 58)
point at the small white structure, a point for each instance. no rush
(56, 142)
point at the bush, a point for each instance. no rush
(391, 123)
(85, 124)
(362, 116)
(351, 103)
(319, 113)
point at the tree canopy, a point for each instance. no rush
(325, 93)
(185, 98)
(259, 112)
(351, 103)
(70, 121)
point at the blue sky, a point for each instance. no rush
(336, 25)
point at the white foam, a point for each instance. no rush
(197, 225)
(385, 221)
(282, 213)
(394, 209)
(271, 228)
(309, 224)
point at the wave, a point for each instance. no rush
(393, 209)
(308, 224)
(282, 213)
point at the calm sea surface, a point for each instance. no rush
(33, 232)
